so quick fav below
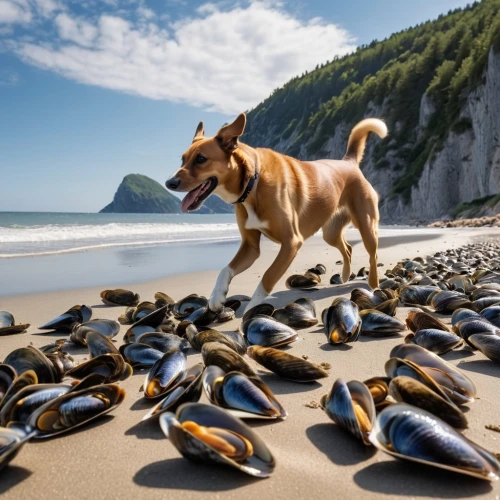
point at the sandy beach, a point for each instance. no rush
(118, 456)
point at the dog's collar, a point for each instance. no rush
(248, 189)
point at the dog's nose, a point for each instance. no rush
(173, 183)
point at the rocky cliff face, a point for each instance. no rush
(466, 168)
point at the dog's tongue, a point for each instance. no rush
(190, 198)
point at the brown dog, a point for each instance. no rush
(285, 199)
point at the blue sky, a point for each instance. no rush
(91, 90)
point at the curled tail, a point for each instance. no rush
(359, 134)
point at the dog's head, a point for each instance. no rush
(206, 164)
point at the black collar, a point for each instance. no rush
(248, 189)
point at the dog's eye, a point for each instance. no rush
(200, 159)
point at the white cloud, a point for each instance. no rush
(225, 60)
(8, 78)
(14, 11)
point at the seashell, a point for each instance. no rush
(30, 358)
(435, 341)
(263, 309)
(106, 327)
(162, 299)
(99, 344)
(449, 301)
(8, 326)
(267, 332)
(468, 327)
(420, 320)
(119, 297)
(489, 345)
(410, 433)
(378, 324)
(286, 365)
(295, 316)
(165, 342)
(307, 280)
(379, 389)
(461, 314)
(111, 367)
(210, 434)
(186, 306)
(241, 395)
(341, 321)
(64, 322)
(12, 440)
(416, 294)
(140, 355)
(351, 406)
(492, 314)
(336, 279)
(215, 353)
(164, 374)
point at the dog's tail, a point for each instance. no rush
(359, 134)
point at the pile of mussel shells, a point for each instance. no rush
(310, 279)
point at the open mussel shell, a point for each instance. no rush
(11, 442)
(187, 390)
(20, 407)
(436, 341)
(106, 327)
(307, 280)
(74, 409)
(186, 306)
(243, 396)
(411, 391)
(143, 309)
(27, 378)
(162, 299)
(351, 406)
(164, 374)
(420, 320)
(341, 321)
(458, 387)
(286, 365)
(215, 353)
(203, 316)
(140, 355)
(135, 332)
(8, 326)
(64, 322)
(263, 309)
(165, 342)
(317, 269)
(31, 358)
(379, 389)
(295, 316)
(267, 332)
(489, 345)
(98, 344)
(111, 367)
(195, 442)
(388, 307)
(378, 324)
(411, 433)
(119, 297)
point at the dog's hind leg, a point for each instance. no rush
(247, 254)
(365, 217)
(333, 234)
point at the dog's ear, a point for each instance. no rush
(200, 132)
(229, 134)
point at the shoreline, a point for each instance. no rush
(118, 456)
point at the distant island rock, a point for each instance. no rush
(140, 194)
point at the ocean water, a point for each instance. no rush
(25, 234)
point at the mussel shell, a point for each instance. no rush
(30, 358)
(135, 332)
(188, 390)
(307, 280)
(162, 299)
(339, 406)
(111, 367)
(99, 344)
(379, 389)
(8, 326)
(492, 314)
(166, 372)
(341, 321)
(7, 376)
(416, 294)
(295, 316)
(489, 345)
(411, 391)
(411, 433)
(485, 302)
(143, 309)
(462, 314)
(140, 355)
(74, 409)
(378, 324)
(119, 297)
(11, 442)
(452, 381)
(215, 353)
(435, 341)
(211, 335)
(106, 327)
(420, 320)
(27, 378)
(64, 322)
(203, 316)
(336, 279)
(260, 464)
(186, 306)
(449, 301)
(243, 396)
(286, 365)
(263, 309)
(267, 332)
(468, 327)
(164, 342)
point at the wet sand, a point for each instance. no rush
(118, 456)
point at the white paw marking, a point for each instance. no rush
(259, 295)
(220, 290)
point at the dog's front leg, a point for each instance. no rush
(285, 257)
(247, 254)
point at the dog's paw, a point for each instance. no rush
(216, 302)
